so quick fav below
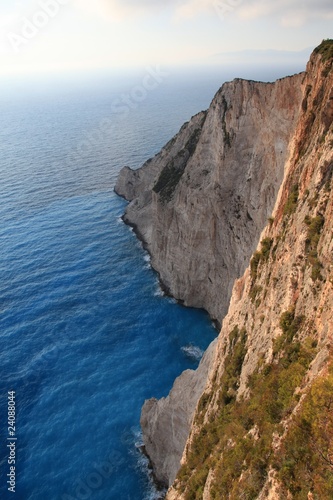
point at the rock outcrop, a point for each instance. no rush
(201, 207)
(166, 423)
(263, 427)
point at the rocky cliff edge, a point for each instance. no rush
(201, 206)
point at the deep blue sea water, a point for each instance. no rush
(85, 333)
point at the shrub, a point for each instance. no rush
(315, 226)
(290, 324)
(254, 264)
(173, 171)
(255, 291)
(240, 461)
(266, 245)
(292, 200)
(325, 49)
(263, 255)
(306, 456)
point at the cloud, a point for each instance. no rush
(289, 13)
(120, 9)
(192, 8)
(286, 12)
(9, 14)
(117, 9)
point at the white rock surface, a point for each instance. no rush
(230, 163)
(166, 422)
(200, 206)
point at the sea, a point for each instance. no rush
(86, 334)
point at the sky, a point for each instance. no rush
(65, 35)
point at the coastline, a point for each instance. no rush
(166, 291)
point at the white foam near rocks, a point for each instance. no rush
(193, 352)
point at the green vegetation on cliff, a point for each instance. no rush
(236, 441)
(325, 49)
(291, 204)
(262, 256)
(173, 171)
(264, 425)
(306, 460)
(315, 226)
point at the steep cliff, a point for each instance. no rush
(166, 423)
(201, 207)
(263, 427)
(202, 202)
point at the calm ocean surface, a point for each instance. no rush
(85, 334)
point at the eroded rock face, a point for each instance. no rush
(137, 185)
(199, 206)
(202, 202)
(295, 276)
(165, 422)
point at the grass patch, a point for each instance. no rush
(241, 459)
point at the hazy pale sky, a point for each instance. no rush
(52, 35)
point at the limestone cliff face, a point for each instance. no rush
(263, 428)
(202, 202)
(166, 423)
(201, 207)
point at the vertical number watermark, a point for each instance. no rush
(11, 442)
